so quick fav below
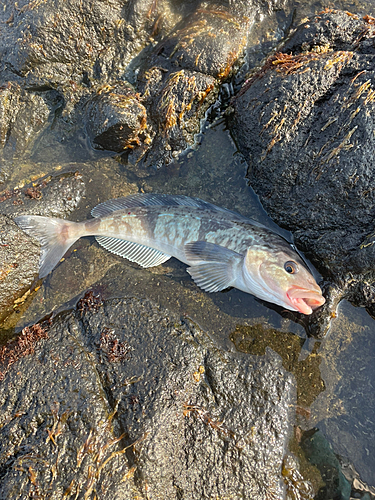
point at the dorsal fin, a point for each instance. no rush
(150, 199)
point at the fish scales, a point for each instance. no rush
(171, 228)
(176, 229)
(168, 229)
(124, 225)
(222, 248)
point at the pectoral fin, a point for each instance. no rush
(208, 252)
(216, 267)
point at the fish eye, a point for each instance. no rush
(291, 267)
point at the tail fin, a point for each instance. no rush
(56, 236)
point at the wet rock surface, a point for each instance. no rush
(9, 96)
(19, 264)
(19, 254)
(24, 115)
(125, 119)
(183, 74)
(53, 55)
(60, 42)
(58, 58)
(51, 196)
(305, 125)
(88, 407)
(124, 399)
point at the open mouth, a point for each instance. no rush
(304, 300)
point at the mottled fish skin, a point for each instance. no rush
(169, 229)
(222, 248)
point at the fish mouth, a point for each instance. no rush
(305, 300)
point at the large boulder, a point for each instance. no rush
(305, 124)
(181, 78)
(125, 399)
(66, 42)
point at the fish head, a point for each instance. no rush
(283, 278)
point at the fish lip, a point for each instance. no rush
(305, 300)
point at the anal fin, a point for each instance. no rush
(135, 252)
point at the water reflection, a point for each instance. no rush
(335, 396)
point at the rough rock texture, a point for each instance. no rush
(9, 97)
(19, 254)
(305, 123)
(50, 196)
(125, 118)
(60, 42)
(56, 57)
(181, 78)
(52, 55)
(19, 263)
(123, 400)
(24, 115)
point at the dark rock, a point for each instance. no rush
(181, 78)
(33, 113)
(56, 43)
(54, 51)
(127, 400)
(23, 345)
(24, 116)
(176, 102)
(318, 324)
(9, 98)
(115, 119)
(10, 94)
(207, 42)
(332, 30)
(71, 49)
(50, 196)
(304, 123)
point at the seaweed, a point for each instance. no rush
(115, 350)
(21, 346)
(89, 302)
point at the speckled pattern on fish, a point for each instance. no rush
(222, 248)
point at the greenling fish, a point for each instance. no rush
(222, 248)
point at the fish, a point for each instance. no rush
(222, 248)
